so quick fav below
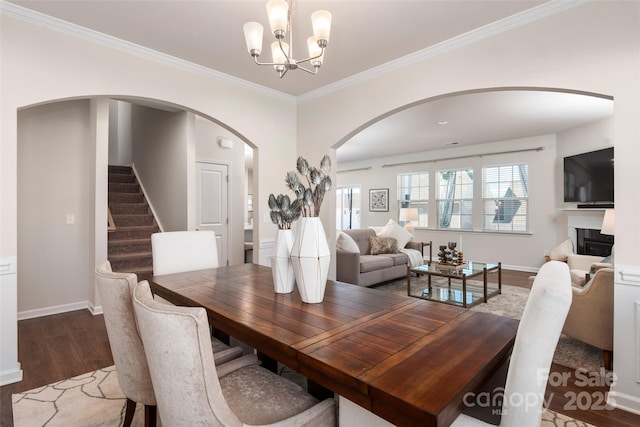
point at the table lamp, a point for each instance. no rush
(608, 222)
(407, 215)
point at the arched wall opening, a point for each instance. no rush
(63, 148)
(541, 147)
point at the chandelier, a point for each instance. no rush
(279, 12)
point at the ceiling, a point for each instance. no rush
(364, 35)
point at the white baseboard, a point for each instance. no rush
(520, 268)
(11, 376)
(95, 309)
(57, 309)
(624, 402)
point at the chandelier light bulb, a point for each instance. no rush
(253, 36)
(315, 51)
(278, 12)
(278, 55)
(321, 21)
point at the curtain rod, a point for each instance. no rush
(462, 157)
(354, 170)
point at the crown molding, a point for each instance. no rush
(514, 21)
(531, 15)
(65, 27)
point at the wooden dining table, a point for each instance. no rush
(407, 360)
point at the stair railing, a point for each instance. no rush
(111, 225)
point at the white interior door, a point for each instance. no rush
(212, 204)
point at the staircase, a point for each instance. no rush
(130, 243)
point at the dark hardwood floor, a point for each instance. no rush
(53, 348)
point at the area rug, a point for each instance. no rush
(91, 399)
(95, 399)
(510, 303)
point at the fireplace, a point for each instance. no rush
(592, 242)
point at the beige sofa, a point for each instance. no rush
(363, 269)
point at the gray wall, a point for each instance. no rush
(160, 155)
(54, 176)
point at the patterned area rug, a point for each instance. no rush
(510, 303)
(92, 399)
(95, 399)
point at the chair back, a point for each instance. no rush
(178, 251)
(177, 343)
(536, 340)
(115, 290)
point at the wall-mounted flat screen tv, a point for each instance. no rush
(588, 177)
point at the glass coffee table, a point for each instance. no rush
(455, 290)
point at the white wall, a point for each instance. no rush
(41, 64)
(54, 177)
(120, 143)
(542, 211)
(592, 47)
(207, 148)
(160, 141)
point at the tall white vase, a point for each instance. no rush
(310, 258)
(281, 267)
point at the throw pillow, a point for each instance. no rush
(376, 229)
(562, 251)
(392, 229)
(383, 245)
(346, 243)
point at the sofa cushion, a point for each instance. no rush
(361, 237)
(392, 229)
(399, 258)
(383, 245)
(346, 243)
(374, 262)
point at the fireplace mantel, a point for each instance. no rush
(582, 218)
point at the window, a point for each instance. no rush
(413, 192)
(348, 205)
(455, 198)
(505, 196)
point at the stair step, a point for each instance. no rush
(125, 198)
(129, 246)
(131, 261)
(144, 273)
(118, 247)
(121, 178)
(129, 208)
(124, 188)
(120, 169)
(132, 220)
(127, 233)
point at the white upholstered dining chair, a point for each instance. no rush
(536, 340)
(116, 291)
(191, 390)
(179, 251)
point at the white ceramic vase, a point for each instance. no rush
(310, 258)
(281, 267)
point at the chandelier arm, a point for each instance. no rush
(309, 71)
(255, 59)
(286, 54)
(311, 58)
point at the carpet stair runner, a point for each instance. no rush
(130, 243)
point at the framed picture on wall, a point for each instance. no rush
(379, 200)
